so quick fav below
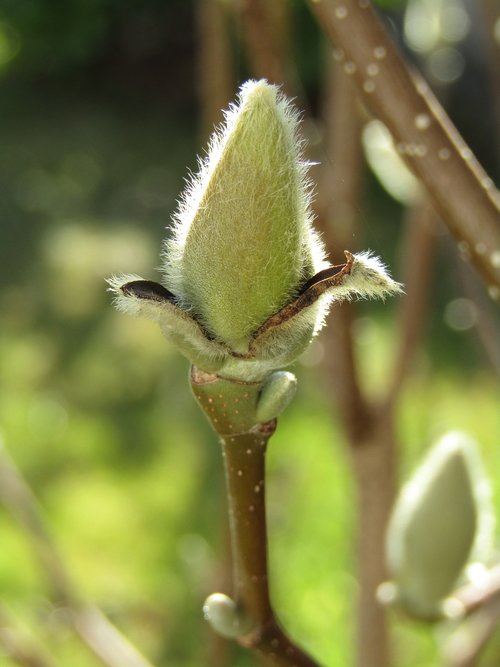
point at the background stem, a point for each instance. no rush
(422, 132)
(91, 626)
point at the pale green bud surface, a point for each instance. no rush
(276, 393)
(245, 284)
(243, 245)
(434, 526)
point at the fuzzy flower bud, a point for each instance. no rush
(243, 243)
(245, 282)
(440, 515)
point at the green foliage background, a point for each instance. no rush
(98, 122)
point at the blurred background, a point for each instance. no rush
(104, 106)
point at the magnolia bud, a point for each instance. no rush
(245, 283)
(243, 243)
(435, 524)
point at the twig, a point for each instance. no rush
(104, 639)
(479, 603)
(340, 181)
(370, 434)
(473, 596)
(489, 15)
(339, 192)
(215, 73)
(486, 326)
(374, 460)
(265, 34)
(18, 497)
(90, 624)
(18, 648)
(230, 407)
(417, 254)
(461, 191)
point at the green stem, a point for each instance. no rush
(231, 408)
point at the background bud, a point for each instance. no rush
(435, 524)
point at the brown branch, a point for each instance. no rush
(215, 73)
(480, 604)
(490, 15)
(98, 634)
(20, 649)
(265, 35)
(19, 499)
(374, 461)
(467, 644)
(417, 257)
(337, 209)
(461, 191)
(472, 597)
(370, 434)
(104, 639)
(486, 326)
(230, 407)
(340, 180)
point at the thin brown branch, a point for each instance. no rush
(466, 646)
(489, 10)
(90, 624)
(472, 597)
(19, 648)
(461, 191)
(417, 256)
(215, 72)
(374, 462)
(370, 434)
(340, 181)
(230, 407)
(265, 35)
(487, 324)
(104, 639)
(244, 459)
(337, 208)
(479, 603)
(19, 499)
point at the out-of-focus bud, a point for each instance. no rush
(440, 514)
(224, 616)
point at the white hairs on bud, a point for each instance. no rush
(368, 279)
(130, 303)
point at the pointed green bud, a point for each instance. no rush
(435, 525)
(276, 393)
(245, 283)
(243, 243)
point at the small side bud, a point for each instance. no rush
(224, 616)
(276, 394)
(435, 525)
